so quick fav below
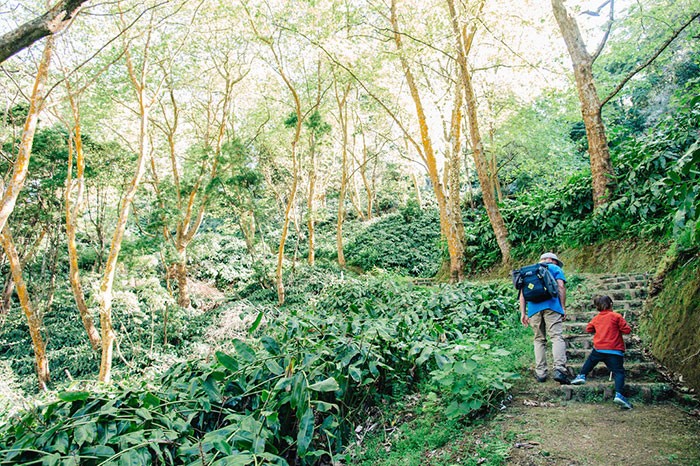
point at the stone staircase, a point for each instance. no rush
(643, 381)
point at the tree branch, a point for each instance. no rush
(51, 22)
(650, 60)
(611, 19)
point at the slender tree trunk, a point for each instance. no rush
(591, 110)
(105, 295)
(463, 44)
(72, 214)
(310, 214)
(248, 227)
(34, 320)
(21, 165)
(342, 101)
(285, 229)
(180, 268)
(429, 155)
(454, 206)
(416, 186)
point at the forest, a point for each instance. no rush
(233, 232)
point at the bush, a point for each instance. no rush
(290, 394)
(406, 243)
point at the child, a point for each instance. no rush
(608, 346)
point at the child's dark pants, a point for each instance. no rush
(612, 361)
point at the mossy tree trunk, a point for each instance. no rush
(464, 39)
(72, 214)
(447, 227)
(34, 320)
(591, 109)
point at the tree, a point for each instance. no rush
(34, 320)
(56, 19)
(73, 210)
(464, 39)
(447, 226)
(591, 108)
(341, 98)
(138, 74)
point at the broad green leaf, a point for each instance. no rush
(85, 433)
(256, 323)
(306, 432)
(270, 345)
(239, 459)
(244, 351)
(274, 367)
(227, 361)
(144, 414)
(328, 385)
(73, 396)
(323, 407)
(101, 451)
(300, 393)
(51, 460)
(355, 373)
(61, 442)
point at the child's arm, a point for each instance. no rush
(590, 328)
(624, 326)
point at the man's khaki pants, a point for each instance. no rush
(548, 323)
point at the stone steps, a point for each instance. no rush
(647, 392)
(643, 382)
(633, 370)
(580, 354)
(585, 340)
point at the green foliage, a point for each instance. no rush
(406, 242)
(292, 391)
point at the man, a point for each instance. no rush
(546, 319)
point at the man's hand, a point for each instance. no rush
(524, 319)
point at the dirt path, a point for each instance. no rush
(557, 432)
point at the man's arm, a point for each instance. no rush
(561, 285)
(523, 310)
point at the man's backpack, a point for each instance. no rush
(536, 283)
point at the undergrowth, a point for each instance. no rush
(295, 390)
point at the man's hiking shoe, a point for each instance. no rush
(561, 377)
(579, 380)
(541, 379)
(622, 402)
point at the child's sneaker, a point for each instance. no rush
(579, 380)
(622, 401)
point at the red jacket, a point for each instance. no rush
(608, 327)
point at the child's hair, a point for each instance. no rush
(602, 302)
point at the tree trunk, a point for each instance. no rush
(310, 214)
(21, 165)
(463, 44)
(285, 230)
(55, 20)
(180, 268)
(342, 101)
(248, 226)
(7, 294)
(452, 170)
(72, 213)
(582, 61)
(446, 226)
(34, 320)
(107, 283)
